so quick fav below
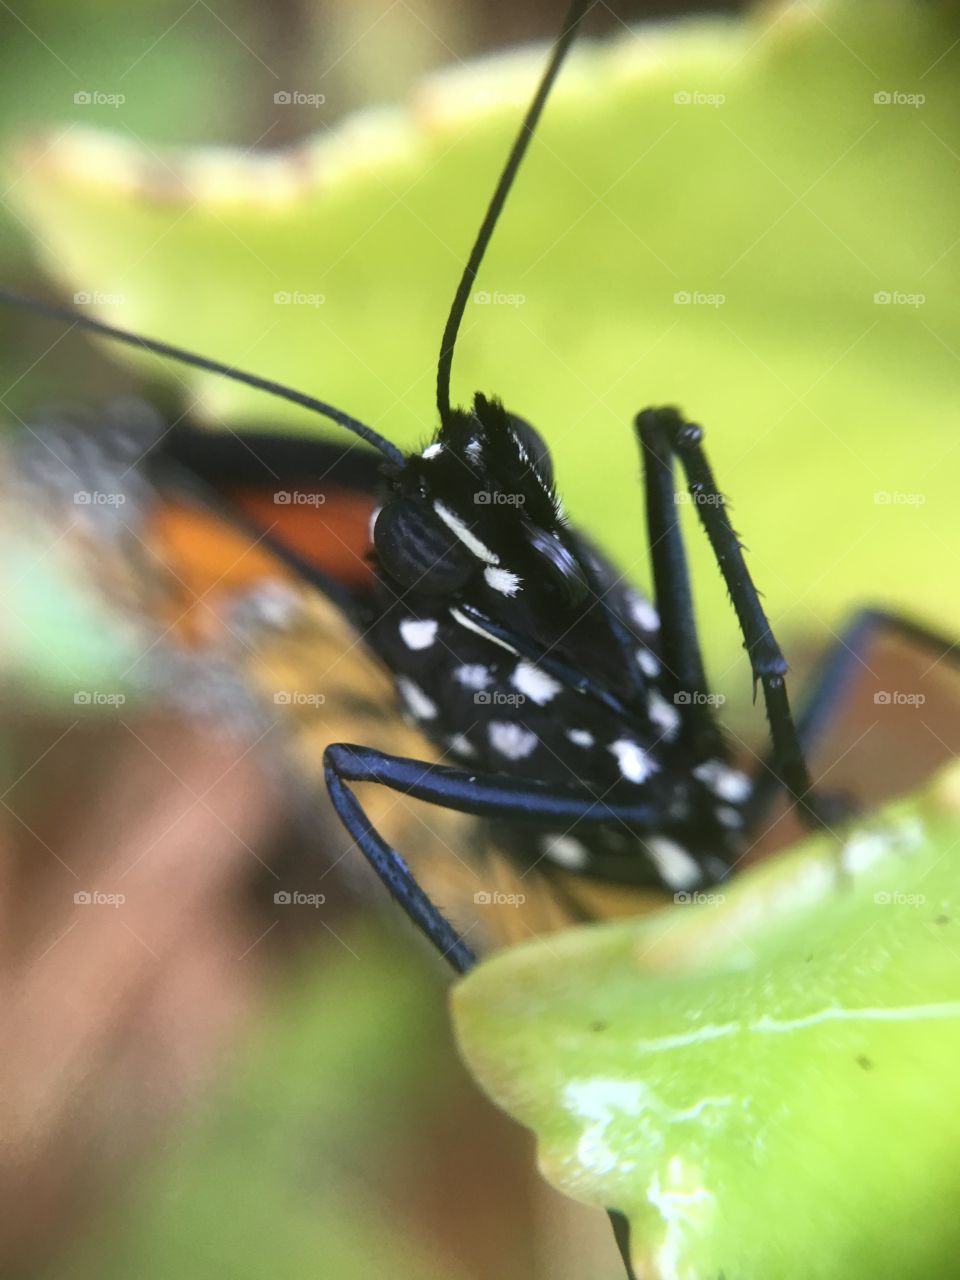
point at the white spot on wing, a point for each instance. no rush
(727, 816)
(472, 675)
(416, 701)
(676, 867)
(534, 683)
(432, 450)
(581, 737)
(729, 784)
(465, 534)
(502, 580)
(511, 740)
(663, 714)
(566, 851)
(418, 633)
(461, 745)
(635, 764)
(648, 663)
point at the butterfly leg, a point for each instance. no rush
(679, 650)
(492, 795)
(837, 670)
(766, 660)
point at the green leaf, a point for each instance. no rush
(764, 1081)
(775, 180)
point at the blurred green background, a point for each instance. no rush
(335, 1135)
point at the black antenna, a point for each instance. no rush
(53, 311)
(565, 39)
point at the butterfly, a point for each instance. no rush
(558, 720)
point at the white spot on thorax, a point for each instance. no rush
(432, 450)
(729, 784)
(635, 764)
(465, 534)
(511, 740)
(502, 580)
(675, 865)
(642, 612)
(418, 633)
(566, 851)
(474, 448)
(534, 683)
(580, 737)
(417, 702)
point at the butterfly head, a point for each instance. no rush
(476, 515)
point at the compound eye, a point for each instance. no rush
(561, 566)
(418, 551)
(534, 446)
